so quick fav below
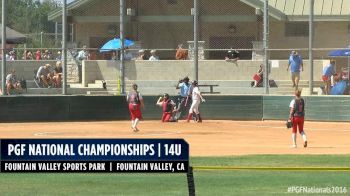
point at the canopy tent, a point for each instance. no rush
(13, 37)
(342, 53)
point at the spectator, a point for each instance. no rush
(181, 54)
(336, 79)
(232, 55)
(59, 56)
(328, 72)
(24, 56)
(141, 55)
(127, 54)
(57, 77)
(153, 57)
(7, 56)
(83, 54)
(38, 55)
(44, 75)
(295, 63)
(29, 55)
(11, 56)
(12, 82)
(47, 55)
(50, 56)
(258, 77)
(114, 56)
(339, 86)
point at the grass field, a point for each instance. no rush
(208, 182)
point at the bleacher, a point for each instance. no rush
(73, 89)
(148, 87)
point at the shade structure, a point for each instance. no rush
(13, 37)
(115, 44)
(340, 53)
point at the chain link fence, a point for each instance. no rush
(165, 28)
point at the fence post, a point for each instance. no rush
(56, 34)
(64, 47)
(121, 28)
(190, 182)
(195, 38)
(266, 46)
(311, 45)
(3, 44)
(41, 39)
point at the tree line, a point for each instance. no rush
(30, 17)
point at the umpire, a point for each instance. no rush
(184, 100)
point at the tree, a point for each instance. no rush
(30, 17)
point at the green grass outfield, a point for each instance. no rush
(208, 182)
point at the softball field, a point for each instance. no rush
(228, 157)
(210, 138)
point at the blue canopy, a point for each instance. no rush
(340, 53)
(115, 44)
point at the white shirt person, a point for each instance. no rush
(153, 56)
(196, 100)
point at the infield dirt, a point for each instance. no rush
(210, 138)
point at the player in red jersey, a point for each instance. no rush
(135, 102)
(168, 107)
(296, 115)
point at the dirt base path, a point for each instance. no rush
(210, 138)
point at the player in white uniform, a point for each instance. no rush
(196, 100)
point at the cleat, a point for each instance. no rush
(305, 144)
(135, 129)
(294, 146)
